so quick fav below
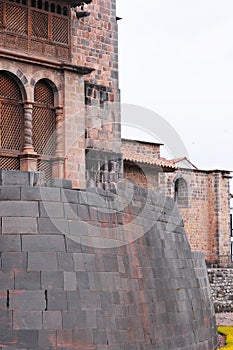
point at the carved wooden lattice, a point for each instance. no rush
(43, 123)
(44, 126)
(39, 25)
(11, 119)
(43, 94)
(1, 15)
(59, 30)
(46, 167)
(9, 163)
(11, 116)
(36, 26)
(16, 19)
(8, 88)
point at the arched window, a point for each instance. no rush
(46, 6)
(11, 118)
(59, 9)
(52, 8)
(65, 11)
(39, 5)
(181, 192)
(44, 125)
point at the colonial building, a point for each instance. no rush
(203, 196)
(58, 62)
(60, 113)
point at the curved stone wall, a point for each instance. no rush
(96, 271)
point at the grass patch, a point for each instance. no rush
(228, 332)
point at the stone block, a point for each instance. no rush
(83, 336)
(10, 243)
(51, 210)
(79, 262)
(52, 320)
(69, 196)
(65, 261)
(28, 300)
(42, 261)
(83, 212)
(9, 193)
(71, 211)
(27, 280)
(91, 319)
(52, 279)
(100, 337)
(19, 209)
(72, 246)
(90, 300)
(45, 243)
(5, 320)
(20, 178)
(57, 300)
(19, 225)
(74, 300)
(53, 226)
(7, 337)
(78, 228)
(47, 339)
(27, 338)
(27, 319)
(94, 280)
(83, 280)
(12, 261)
(70, 281)
(60, 183)
(7, 280)
(3, 299)
(64, 337)
(74, 319)
(40, 194)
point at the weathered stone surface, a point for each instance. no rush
(60, 183)
(127, 291)
(18, 225)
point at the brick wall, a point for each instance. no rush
(95, 43)
(142, 148)
(205, 211)
(206, 217)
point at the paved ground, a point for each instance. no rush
(224, 319)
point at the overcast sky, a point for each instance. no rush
(176, 58)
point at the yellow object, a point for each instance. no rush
(228, 332)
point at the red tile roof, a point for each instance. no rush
(147, 159)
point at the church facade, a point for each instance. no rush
(59, 80)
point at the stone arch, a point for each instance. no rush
(53, 80)
(11, 120)
(19, 78)
(181, 191)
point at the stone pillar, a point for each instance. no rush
(58, 161)
(28, 158)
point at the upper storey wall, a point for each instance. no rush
(95, 43)
(50, 30)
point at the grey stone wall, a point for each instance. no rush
(97, 271)
(221, 283)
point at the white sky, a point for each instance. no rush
(176, 58)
